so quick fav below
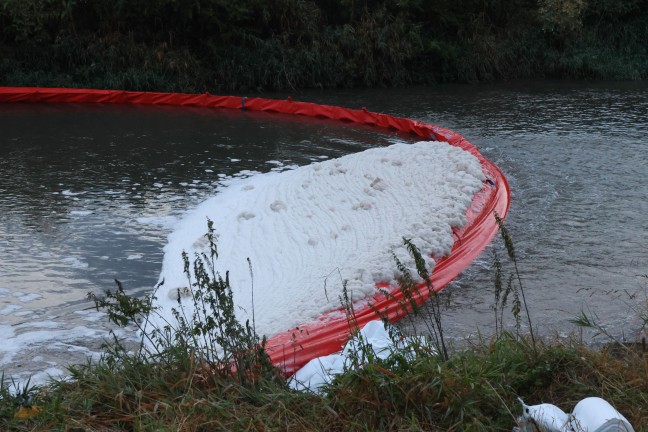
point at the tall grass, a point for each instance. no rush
(510, 249)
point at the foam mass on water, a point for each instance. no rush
(308, 230)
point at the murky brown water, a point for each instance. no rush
(87, 194)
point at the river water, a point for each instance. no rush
(88, 193)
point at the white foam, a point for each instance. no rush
(16, 341)
(8, 309)
(307, 230)
(161, 221)
(44, 324)
(25, 298)
(91, 315)
(80, 212)
(46, 375)
(68, 192)
(75, 262)
(48, 339)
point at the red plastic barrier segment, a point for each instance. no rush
(295, 347)
(60, 95)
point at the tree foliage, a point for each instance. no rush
(197, 45)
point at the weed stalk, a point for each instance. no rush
(510, 249)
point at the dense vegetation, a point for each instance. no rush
(251, 45)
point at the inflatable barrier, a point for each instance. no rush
(293, 348)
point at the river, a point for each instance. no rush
(88, 193)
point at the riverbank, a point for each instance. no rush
(197, 46)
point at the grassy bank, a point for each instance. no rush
(254, 45)
(177, 380)
(475, 389)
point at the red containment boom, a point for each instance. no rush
(293, 348)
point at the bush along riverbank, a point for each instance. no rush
(177, 380)
(254, 45)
